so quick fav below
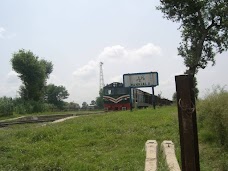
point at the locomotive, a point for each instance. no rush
(118, 97)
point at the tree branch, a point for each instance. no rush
(201, 19)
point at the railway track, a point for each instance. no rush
(39, 119)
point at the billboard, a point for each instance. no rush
(146, 79)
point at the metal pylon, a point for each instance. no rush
(101, 76)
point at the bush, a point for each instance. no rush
(213, 114)
(25, 107)
(6, 106)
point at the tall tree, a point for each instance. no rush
(32, 72)
(73, 106)
(99, 100)
(84, 105)
(93, 102)
(56, 94)
(204, 27)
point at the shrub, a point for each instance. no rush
(213, 114)
(6, 106)
(24, 107)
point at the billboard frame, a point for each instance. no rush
(142, 86)
(142, 73)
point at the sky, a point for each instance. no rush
(128, 36)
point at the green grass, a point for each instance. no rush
(213, 129)
(81, 112)
(109, 142)
(114, 141)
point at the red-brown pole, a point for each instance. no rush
(187, 123)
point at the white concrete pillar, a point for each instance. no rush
(151, 148)
(168, 151)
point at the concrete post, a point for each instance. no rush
(151, 147)
(168, 150)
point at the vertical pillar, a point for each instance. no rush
(151, 148)
(187, 123)
(130, 99)
(153, 98)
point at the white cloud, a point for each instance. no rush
(113, 53)
(4, 34)
(117, 60)
(12, 77)
(2, 30)
(147, 51)
(53, 79)
(118, 53)
(86, 72)
(10, 85)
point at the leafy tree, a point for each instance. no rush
(174, 97)
(204, 27)
(93, 102)
(56, 94)
(84, 105)
(73, 106)
(195, 89)
(6, 106)
(33, 74)
(99, 100)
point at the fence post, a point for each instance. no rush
(187, 123)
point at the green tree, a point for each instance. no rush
(56, 94)
(93, 102)
(99, 100)
(174, 97)
(6, 106)
(73, 106)
(204, 28)
(33, 74)
(84, 105)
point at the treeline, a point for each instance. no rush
(35, 94)
(10, 106)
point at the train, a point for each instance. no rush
(118, 97)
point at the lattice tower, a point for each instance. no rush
(101, 76)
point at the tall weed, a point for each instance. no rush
(213, 114)
(6, 106)
(26, 107)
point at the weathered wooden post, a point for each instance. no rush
(187, 123)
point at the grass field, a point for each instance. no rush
(78, 112)
(108, 142)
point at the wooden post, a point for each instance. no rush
(187, 123)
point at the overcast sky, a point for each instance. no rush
(128, 36)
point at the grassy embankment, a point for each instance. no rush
(112, 141)
(78, 112)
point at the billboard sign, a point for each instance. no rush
(146, 79)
